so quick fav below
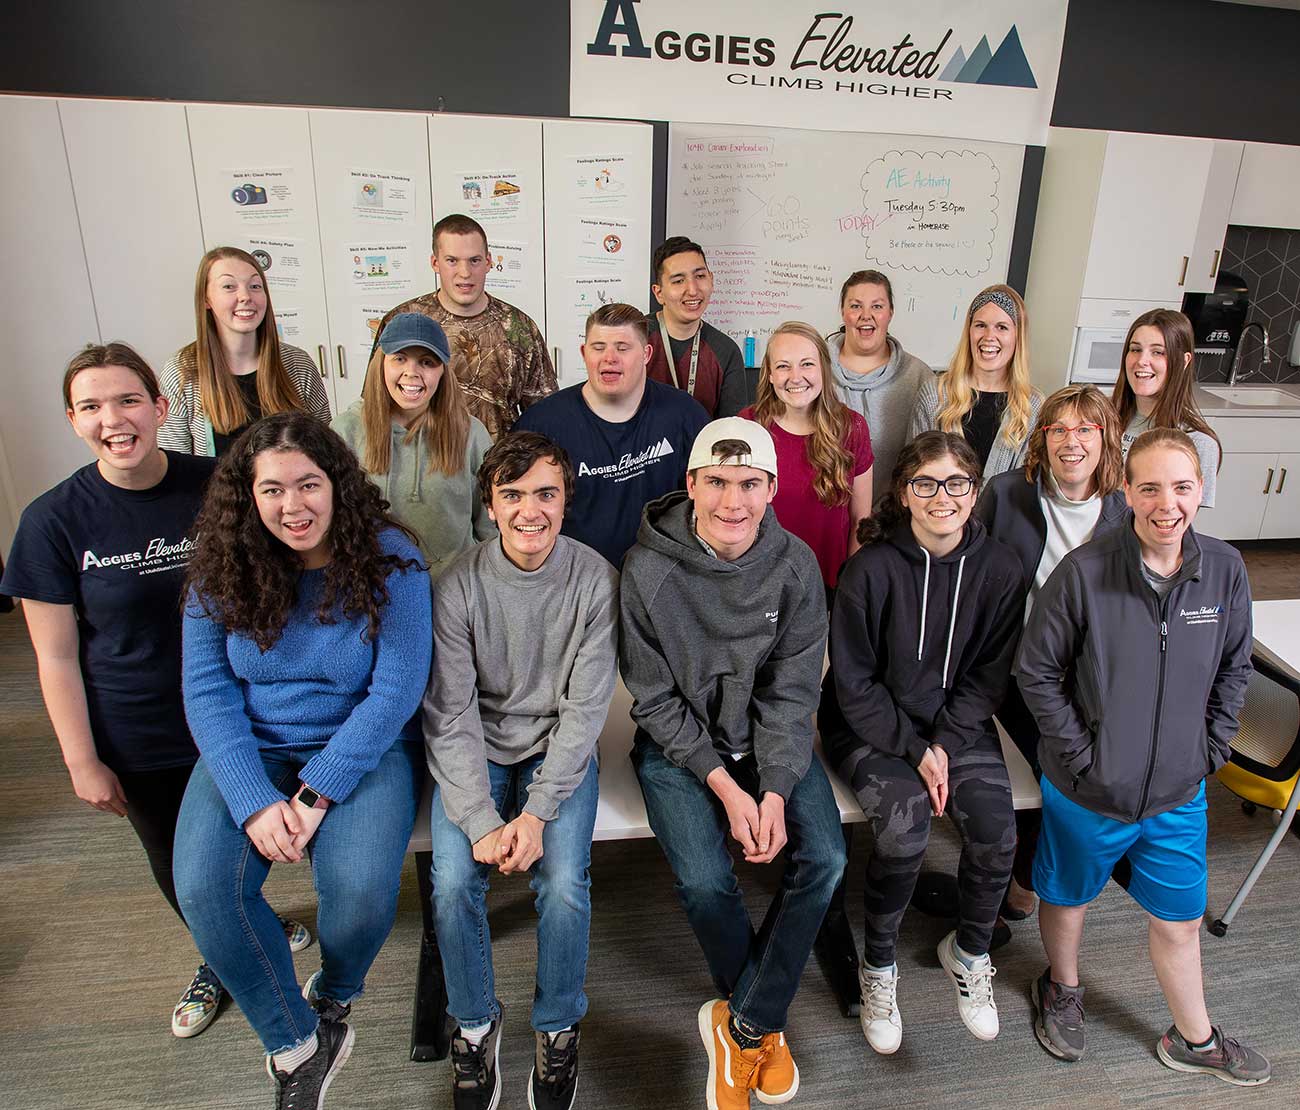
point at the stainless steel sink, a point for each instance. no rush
(1256, 396)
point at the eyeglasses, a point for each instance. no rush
(955, 486)
(1084, 433)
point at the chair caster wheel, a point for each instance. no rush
(1218, 928)
(1248, 808)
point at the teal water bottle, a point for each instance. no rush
(751, 349)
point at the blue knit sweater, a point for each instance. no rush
(322, 689)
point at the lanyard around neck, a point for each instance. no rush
(695, 353)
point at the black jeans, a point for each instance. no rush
(153, 799)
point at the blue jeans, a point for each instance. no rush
(356, 862)
(760, 972)
(561, 881)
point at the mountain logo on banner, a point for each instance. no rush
(985, 66)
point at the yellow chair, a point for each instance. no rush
(1265, 764)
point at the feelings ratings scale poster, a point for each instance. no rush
(786, 215)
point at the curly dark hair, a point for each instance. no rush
(247, 579)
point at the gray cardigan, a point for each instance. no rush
(925, 418)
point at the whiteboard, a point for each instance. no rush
(786, 215)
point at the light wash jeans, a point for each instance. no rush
(356, 863)
(561, 881)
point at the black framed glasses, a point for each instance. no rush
(957, 485)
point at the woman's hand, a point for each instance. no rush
(96, 785)
(933, 770)
(309, 819)
(274, 830)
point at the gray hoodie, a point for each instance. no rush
(723, 659)
(884, 398)
(444, 511)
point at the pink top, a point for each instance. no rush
(798, 508)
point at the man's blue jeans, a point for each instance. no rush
(760, 972)
(356, 862)
(561, 881)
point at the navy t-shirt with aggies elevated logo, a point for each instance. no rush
(618, 467)
(118, 558)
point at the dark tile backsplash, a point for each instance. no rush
(1268, 260)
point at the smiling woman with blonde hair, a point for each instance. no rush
(986, 395)
(237, 369)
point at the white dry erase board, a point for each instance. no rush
(786, 215)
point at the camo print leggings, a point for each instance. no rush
(898, 812)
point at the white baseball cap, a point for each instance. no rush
(761, 453)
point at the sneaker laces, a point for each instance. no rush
(879, 995)
(468, 1064)
(978, 982)
(1066, 1007)
(1233, 1050)
(204, 990)
(559, 1056)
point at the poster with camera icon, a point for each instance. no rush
(261, 196)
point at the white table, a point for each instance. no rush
(1277, 633)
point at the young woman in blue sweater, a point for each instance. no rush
(307, 641)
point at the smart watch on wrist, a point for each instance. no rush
(311, 799)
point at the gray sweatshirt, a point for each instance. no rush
(884, 398)
(723, 658)
(522, 663)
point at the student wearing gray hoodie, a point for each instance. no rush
(723, 635)
(417, 441)
(876, 378)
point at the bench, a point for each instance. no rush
(620, 815)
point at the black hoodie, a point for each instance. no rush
(921, 647)
(723, 658)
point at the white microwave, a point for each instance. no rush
(1098, 355)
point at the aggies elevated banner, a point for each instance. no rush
(980, 69)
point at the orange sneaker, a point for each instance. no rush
(778, 1075)
(733, 1071)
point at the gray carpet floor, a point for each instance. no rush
(91, 962)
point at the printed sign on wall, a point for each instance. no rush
(981, 70)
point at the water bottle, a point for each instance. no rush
(751, 349)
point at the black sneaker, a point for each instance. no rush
(1226, 1059)
(1058, 1017)
(554, 1082)
(326, 1008)
(476, 1080)
(304, 1088)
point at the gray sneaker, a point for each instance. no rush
(1058, 1017)
(1229, 1060)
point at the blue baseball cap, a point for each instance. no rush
(414, 329)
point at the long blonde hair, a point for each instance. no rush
(444, 422)
(203, 362)
(957, 386)
(827, 451)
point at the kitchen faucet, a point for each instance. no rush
(1236, 358)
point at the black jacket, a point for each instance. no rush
(1137, 698)
(920, 647)
(1011, 508)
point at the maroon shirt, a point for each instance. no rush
(798, 508)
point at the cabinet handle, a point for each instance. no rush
(1214, 266)
(1268, 482)
(1281, 481)
(343, 363)
(555, 361)
(1182, 278)
(320, 354)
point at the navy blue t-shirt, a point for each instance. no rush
(619, 467)
(118, 558)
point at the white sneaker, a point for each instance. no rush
(979, 1013)
(881, 1022)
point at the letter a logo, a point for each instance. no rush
(611, 24)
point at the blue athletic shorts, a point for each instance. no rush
(1078, 849)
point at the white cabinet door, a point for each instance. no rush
(491, 170)
(1152, 189)
(1282, 518)
(1240, 496)
(598, 186)
(1207, 250)
(134, 183)
(256, 187)
(46, 309)
(372, 192)
(1267, 194)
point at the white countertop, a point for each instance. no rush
(1211, 405)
